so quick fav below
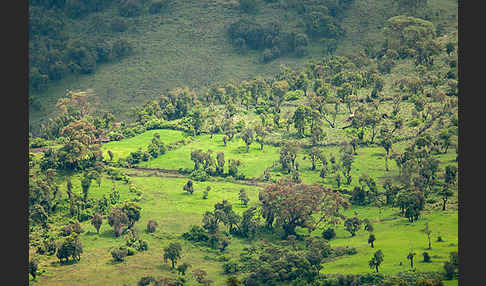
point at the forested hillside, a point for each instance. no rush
(244, 143)
(131, 51)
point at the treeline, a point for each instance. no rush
(322, 22)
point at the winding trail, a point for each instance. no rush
(168, 173)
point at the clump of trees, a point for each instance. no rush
(272, 38)
(54, 54)
(292, 205)
(71, 247)
(126, 215)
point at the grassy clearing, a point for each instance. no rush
(122, 148)
(254, 162)
(395, 236)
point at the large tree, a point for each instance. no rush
(307, 206)
(80, 151)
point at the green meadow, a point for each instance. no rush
(121, 149)
(164, 201)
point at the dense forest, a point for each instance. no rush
(250, 142)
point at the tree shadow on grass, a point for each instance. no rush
(379, 155)
(57, 263)
(91, 233)
(240, 150)
(165, 267)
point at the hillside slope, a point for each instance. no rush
(187, 45)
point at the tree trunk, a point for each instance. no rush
(376, 268)
(373, 134)
(386, 161)
(372, 245)
(444, 204)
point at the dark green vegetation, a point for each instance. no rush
(339, 171)
(128, 60)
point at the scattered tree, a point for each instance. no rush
(376, 260)
(410, 257)
(248, 137)
(172, 253)
(352, 225)
(427, 231)
(181, 269)
(188, 187)
(371, 240)
(96, 221)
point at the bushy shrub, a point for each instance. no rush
(196, 233)
(184, 171)
(154, 124)
(230, 267)
(329, 234)
(146, 156)
(49, 246)
(140, 245)
(340, 251)
(70, 228)
(270, 54)
(37, 142)
(119, 254)
(301, 40)
(85, 214)
(151, 226)
(294, 95)
(122, 48)
(199, 175)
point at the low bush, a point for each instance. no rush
(199, 175)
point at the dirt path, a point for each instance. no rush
(167, 173)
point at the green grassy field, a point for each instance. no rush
(175, 211)
(121, 149)
(253, 163)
